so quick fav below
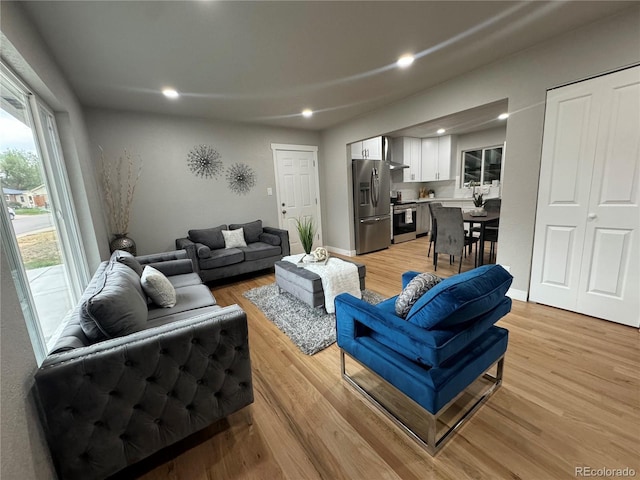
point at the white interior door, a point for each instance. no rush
(585, 255)
(297, 186)
(609, 282)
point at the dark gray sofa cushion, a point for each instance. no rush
(221, 258)
(271, 239)
(211, 237)
(252, 230)
(187, 299)
(258, 250)
(116, 307)
(203, 250)
(127, 259)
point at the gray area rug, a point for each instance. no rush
(311, 329)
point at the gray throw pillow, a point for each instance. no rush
(158, 287)
(127, 259)
(117, 307)
(417, 287)
(271, 239)
(203, 251)
(211, 237)
(252, 230)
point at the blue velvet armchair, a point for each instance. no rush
(447, 341)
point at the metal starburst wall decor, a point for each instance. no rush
(241, 178)
(204, 161)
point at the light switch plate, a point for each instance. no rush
(269, 191)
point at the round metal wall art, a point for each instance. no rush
(241, 178)
(204, 161)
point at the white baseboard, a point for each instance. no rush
(348, 253)
(515, 294)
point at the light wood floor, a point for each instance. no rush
(570, 398)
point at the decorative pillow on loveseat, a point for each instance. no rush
(252, 230)
(117, 307)
(211, 237)
(158, 287)
(461, 298)
(234, 238)
(413, 291)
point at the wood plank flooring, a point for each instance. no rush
(570, 398)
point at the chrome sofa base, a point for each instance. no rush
(431, 444)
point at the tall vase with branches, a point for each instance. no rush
(119, 180)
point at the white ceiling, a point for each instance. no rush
(264, 62)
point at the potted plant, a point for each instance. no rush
(306, 231)
(478, 200)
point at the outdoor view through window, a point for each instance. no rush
(29, 209)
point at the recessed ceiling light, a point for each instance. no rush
(170, 93)
(306, 113)
(503, 116)
(405, 60)
(441, 131)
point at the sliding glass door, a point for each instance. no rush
(39, 228)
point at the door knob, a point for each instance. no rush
(284, 211)
(592, 216)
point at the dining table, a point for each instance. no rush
(490, 219)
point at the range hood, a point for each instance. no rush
(388, 156)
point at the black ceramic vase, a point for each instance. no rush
(122, 242)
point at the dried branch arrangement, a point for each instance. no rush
(119, 184)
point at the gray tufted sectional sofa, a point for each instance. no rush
(212, 261)
(109, 403)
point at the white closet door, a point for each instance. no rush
(609, 281)
(585, 255)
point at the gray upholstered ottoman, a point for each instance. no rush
(304, 284)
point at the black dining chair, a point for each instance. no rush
(490, 231)
(432, 239)
(451, 238)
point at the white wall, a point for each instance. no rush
(523, 79)
(169, 199)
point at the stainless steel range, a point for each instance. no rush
(404, 221)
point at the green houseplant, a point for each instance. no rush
(306, 231)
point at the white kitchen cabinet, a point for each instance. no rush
(438, 162)
(370, 149)
(408, 150)
(423, 222)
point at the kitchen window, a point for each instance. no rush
(481, 166)
(42, 243)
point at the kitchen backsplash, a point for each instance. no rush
(410, 191)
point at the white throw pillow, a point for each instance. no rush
(158, 287)
(234, 238)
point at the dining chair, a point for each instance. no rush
(432, 238)
(451, 238)
(490, 231)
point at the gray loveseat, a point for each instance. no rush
(107, 400)
(206, 248)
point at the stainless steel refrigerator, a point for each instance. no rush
(371, 191)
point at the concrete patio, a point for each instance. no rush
(49, 289)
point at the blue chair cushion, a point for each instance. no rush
(461, 298)
(432, 388)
